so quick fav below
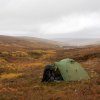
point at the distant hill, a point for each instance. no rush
(24, 42)
(41, 41)
(11, 42)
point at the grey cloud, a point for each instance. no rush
(28, 15)
(85, 33)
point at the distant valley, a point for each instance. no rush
(78, 42)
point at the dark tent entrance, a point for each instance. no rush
(64, 70)
(51, 75)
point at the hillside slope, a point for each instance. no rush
(9, 42)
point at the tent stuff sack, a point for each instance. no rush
(64, 70)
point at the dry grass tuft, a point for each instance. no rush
(10, 75)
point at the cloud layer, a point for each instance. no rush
(50, 18)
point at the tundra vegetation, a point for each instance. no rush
(21, 74)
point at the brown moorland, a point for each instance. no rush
(21, 73)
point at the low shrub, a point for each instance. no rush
(36, 53)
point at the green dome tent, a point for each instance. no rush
(71, 70)
(64, 70)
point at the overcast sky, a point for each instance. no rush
(50, 18)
